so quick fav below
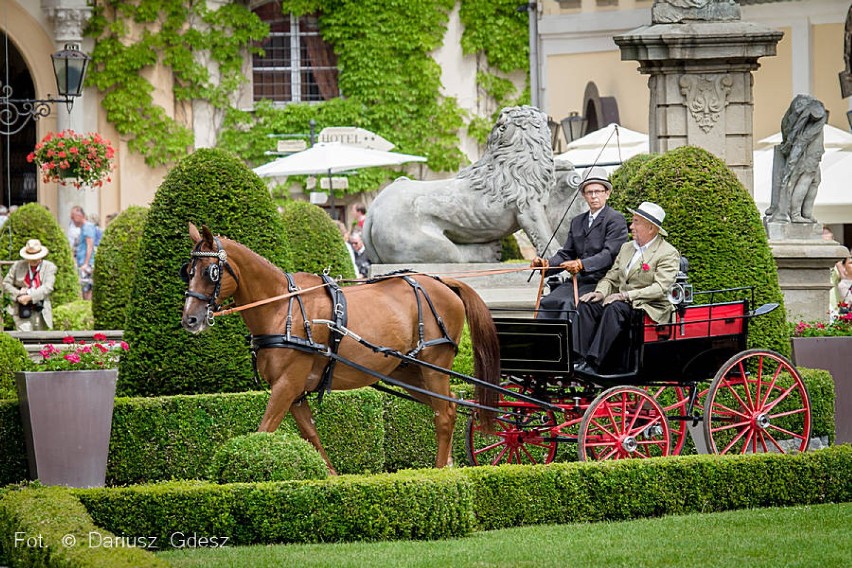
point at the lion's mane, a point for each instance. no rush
(517, 166)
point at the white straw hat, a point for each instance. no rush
(653, 213)
(34, 250)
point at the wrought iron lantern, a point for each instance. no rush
(573, 126)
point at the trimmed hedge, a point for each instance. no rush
(712, 220)
(266, 456)
(49, 515)
(363, 431)
(214, 188)
(13, 358)
(316, 244)
(176, 437)
(34, 221)
(116, 263)
(74, 315)
(453, 502)
(410, 505)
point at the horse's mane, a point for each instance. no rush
(517, 166)
(263, 260)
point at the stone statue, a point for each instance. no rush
(565, 201)
(846, 74)
(462, 219)
(679, 11)
(795, 172)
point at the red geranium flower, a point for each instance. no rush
(645, 267)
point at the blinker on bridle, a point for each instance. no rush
(213, 273)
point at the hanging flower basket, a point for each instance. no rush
(69, 158)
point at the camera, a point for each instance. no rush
(680, 293)
(25, 311)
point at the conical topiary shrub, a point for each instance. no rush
(713, 222)
(210, 187)
(116, 264)
(315, 241)
(34, 221)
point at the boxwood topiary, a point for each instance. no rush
(315, 241)
(13, 358)
(116, 263)
(265, 456)
(210, 187)
(74, 315)
(712, 220)
(34, 221)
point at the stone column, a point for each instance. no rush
(700, 62)
(68, 18)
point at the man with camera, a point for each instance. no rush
(30, 283)
(640, 279)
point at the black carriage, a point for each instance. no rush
(693, 375)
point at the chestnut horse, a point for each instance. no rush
(417, 314)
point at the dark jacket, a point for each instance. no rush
(597, 246)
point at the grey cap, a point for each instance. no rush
(595, 174)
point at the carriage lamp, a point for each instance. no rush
(69, 69)
(573, 126)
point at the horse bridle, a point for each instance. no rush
(213, 273)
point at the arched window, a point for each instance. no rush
(298, 66)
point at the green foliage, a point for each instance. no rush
(34, 221)
(453, 502)
(74, 315)
(711, 219)
(13, 358)
(510, 249)
(214, 188)
(409, 505)
(116, 264)
(316, 244)
(183, 37)
(629, 194)
(52, 516)
(265, 456)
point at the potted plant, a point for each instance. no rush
(66, 403)
(828, 346)
(70, 158)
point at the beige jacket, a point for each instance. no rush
(13, 284)
(647, 289)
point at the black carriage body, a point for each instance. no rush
(688, 350)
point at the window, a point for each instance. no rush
(298, 66)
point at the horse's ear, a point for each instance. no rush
(207, 235)
(193, 233)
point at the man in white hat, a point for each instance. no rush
(594, 239)
(30, 283)
(640, 278)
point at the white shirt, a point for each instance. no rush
(640, 251)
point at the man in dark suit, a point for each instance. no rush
(640, 278)
(594, 240)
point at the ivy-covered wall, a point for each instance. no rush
(389, 80)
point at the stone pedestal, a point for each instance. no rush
(804, 263)
(506, 294)
(700, 78)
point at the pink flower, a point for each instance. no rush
(124, 345)
(645, 267)
(72, 357)
(101, 348)
(99, 337)
(67, 339)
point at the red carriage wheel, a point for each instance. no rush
(624, 422)
(528, 437)
(757, 403)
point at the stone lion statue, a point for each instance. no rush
(462, 219)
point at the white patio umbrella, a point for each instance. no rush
(607, 147)
(331, 158)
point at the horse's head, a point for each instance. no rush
(209, 278)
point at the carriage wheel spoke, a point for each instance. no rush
(746, 385)
(490, 447)
(636, 412)
(763, 442)
(774, 442)
(603, 429)
(731, 425)
(788, 413)
(734, 441)
(781, 397)
(772, 385)
(787, 432)
(727, 411)
(731, 390)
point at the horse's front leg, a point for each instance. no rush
(305, 421)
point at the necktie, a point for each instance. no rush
(591, 220)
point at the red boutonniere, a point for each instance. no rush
(645, 267)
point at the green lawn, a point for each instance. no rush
(805, 536)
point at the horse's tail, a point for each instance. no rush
(486, 347)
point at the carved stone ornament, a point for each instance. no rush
(706, 98)
(68, 23)
(679, 11)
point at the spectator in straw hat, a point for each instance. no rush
(30, 284)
